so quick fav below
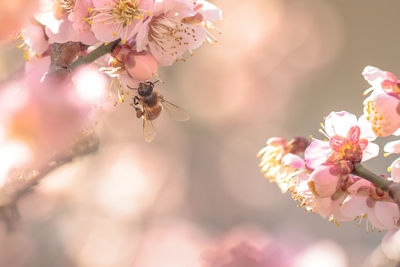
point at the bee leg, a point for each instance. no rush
(139, 112)
(136, 100)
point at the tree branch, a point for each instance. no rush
(94, 55)
(21, 182)
(388, 186)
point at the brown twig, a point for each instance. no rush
(94, 55)
(21, 182)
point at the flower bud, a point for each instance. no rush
(141, 66)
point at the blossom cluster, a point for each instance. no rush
(44, 111)
(151, 33)
(321, 175)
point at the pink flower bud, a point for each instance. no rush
(141, 66)
(277, 141)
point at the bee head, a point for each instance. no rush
(145, 89)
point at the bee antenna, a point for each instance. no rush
(156, 82)
(132, 88)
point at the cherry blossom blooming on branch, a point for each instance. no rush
(323, 182)
(69, 46)
(347, 141)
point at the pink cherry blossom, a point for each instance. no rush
(113, 19)
(175, 27)
(116, 66)
(322, 191)
(34, 41)
(121, 81)
(366, 200)
(272, 157)
(307, 197)
(347, 141)
(128, 68)
(271, 161)
(80, 23)
(381, 107)
(54, 15)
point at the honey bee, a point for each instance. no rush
(152, 103)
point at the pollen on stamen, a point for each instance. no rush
(324, 133)
(361, 219)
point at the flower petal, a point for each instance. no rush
(209, 11)
(325, 183)
(339, 123)
(395, 170)
(374, 76)
(317, 153)
(392, 147)
(294, 161)
(387, 213)
(371, 151)
(354, 206)
(366, 128)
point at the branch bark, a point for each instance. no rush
(94, 55)
(388, 186)
(21, 182)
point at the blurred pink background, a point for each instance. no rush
(277, 69)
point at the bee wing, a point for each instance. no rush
(174, 111)
(149, 131)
